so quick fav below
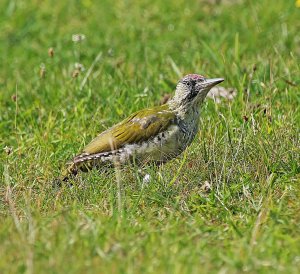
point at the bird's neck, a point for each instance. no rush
(187, 119)
(185, 111)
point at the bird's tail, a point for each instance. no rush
(83, 162)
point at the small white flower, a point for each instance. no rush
(42, 70)
(8, 150)
(79, 66)
(146, 179)
(78, 37)
(206, 187)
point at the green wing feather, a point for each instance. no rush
(138, 127)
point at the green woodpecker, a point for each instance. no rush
(155, 134)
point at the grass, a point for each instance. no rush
(229, 205)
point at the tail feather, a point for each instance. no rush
(85, 157)
(84, 162)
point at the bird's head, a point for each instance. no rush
(192, 89)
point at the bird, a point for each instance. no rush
(152, 135)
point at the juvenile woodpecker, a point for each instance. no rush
(156, 134)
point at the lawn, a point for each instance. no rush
(229, 204)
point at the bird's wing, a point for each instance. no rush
(138, 127)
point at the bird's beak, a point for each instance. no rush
(212, 82)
